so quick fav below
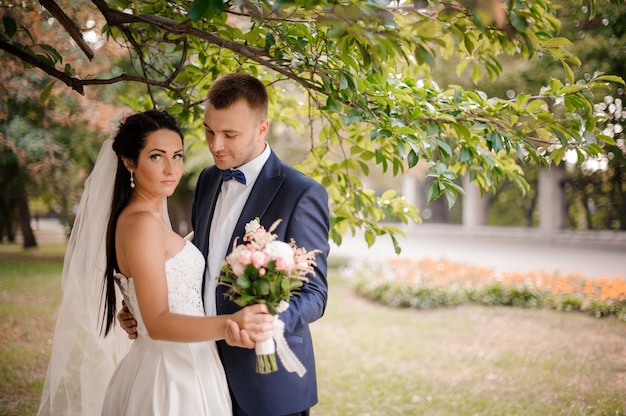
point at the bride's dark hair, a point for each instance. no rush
(128, 143)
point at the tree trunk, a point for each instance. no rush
(24, 212)
(529, 210)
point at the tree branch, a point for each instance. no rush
(78, 84)
(68, 25)
(74, 83)
(120, 19)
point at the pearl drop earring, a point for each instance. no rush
(132, 180)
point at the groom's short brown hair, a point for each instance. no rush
(230, 88)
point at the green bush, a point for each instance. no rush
(372, 282)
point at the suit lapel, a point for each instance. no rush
(265, 189)
(208, 210)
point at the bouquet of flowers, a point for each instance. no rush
(265, 270)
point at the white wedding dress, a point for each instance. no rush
(170, 378)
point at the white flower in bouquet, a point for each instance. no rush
(282, 253)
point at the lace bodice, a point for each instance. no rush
(184, 272)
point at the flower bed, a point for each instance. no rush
(427, 284)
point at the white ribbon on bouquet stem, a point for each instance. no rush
(291, 363)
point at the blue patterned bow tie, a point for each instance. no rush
(229, 174)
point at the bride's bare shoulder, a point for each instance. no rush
(139, 224)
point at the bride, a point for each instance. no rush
(173, 366)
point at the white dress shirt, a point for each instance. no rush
(230, 202)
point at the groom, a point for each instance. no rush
(236, 125)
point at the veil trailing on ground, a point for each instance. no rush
(82, 359)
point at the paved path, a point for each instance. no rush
(594, 254)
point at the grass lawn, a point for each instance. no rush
(373, 359)
(467, 360)
(30, 294)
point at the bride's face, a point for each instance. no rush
(160, 164)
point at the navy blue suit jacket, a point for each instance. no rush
(280, 192)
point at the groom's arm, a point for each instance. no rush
(308, 225)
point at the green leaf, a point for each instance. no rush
(450, 198)
(396, 246)
(535, 105)
(45, 93)
(570, 89)
(557, 155)
(52, 53)
(388, 194)
(433, 192)
(343, 81)
(424, 56)
(465, 155)
(610, 78)
(364, 168)
(412, 158)
(568, 71)
(270, 40)
(530, 44)
(69, 70)
(518, 22)
(333, 105)
(443, 147)
(606, 139)
(262, 287)
(426, 29)
(271, 309)
(243, 282)
(9, 26)
(555, 85)
(557, 43)
(370, 238)
(198, 9)
(469, 45)
(477, 74)
(205, 8)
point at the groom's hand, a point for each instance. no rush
(236, 337)
(127, 321)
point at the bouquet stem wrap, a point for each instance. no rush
(266, 357)
(266, 350)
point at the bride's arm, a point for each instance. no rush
(143, 246)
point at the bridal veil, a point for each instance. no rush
(82, 359)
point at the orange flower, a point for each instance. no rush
(440, 273)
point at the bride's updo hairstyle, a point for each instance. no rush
(128, 143)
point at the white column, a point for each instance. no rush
(411, 192)
(410, 187)
(551, 200)
(475, 206)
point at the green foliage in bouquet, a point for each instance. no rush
(253, 287)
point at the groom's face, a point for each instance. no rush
(235, 134)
